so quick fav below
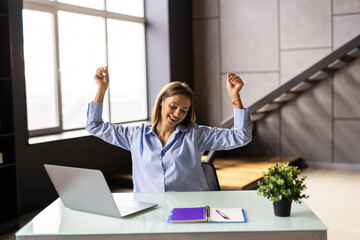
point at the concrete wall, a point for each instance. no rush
(267, 42)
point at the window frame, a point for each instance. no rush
(53, 7)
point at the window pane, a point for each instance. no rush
(126, 44)
(40, 70)
(82, 51)
(128, 7)
(96, 4)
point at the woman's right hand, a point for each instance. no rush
(102, 77)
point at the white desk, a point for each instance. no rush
(57, 222)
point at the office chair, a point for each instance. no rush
(211, 176)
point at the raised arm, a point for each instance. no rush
(212, 138)
(116, 135)
(102, 79)
(234, 85)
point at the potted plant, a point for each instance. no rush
(282, 186)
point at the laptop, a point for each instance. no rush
(86, 190)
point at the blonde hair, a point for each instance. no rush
(169, 90)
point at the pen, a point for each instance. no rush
(221, 214)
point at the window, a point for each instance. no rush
(64, 43)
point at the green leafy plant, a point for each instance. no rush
(282, 182)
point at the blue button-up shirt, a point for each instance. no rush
(177, 165)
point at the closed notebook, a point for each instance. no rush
(207, 214)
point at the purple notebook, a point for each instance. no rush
(198, 214)
(207, 214)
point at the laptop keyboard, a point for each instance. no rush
(125, 207)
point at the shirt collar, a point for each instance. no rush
(179, 128)
(151, 130)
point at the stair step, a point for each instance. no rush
(318, 76)
(245, 172)
(285, 97)
(268, 108)
(301, 87)
(355, 53)
(337, 64)
(257, 116)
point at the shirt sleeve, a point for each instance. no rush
(117, 135)
(212, 138)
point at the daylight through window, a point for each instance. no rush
(64, 42)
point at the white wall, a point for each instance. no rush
(268, 42)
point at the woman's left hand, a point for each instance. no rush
(234, 85)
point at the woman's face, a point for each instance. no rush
(174, 109)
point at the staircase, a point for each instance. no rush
(244, 172)
(302, 82)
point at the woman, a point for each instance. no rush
(167, 155)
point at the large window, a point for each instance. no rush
(65, 41)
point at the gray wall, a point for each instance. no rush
(267, 42)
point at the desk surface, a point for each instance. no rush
(55, 220)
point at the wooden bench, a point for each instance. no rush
(244, 172)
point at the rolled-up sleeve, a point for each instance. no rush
(116, 135)
(212, 138)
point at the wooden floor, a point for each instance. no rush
(243, 173)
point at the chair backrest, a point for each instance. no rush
(211, 176)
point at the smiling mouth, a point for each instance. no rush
(173, 119)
